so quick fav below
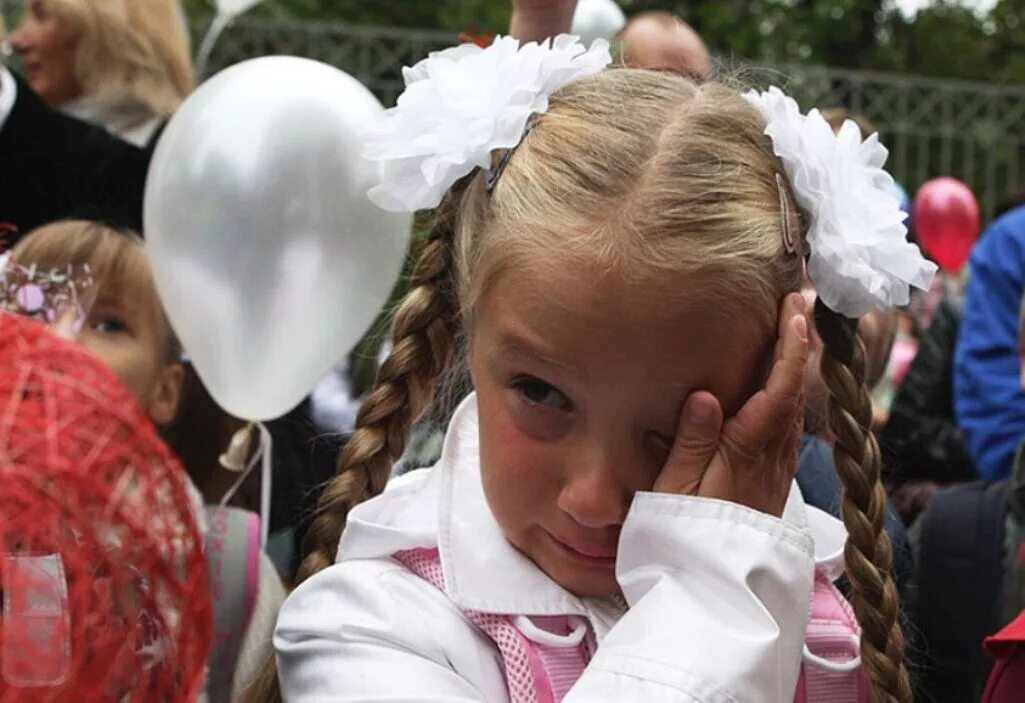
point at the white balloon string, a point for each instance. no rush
(265, 455)
(267, 450)
(217, 26)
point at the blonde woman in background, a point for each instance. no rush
(122, 64)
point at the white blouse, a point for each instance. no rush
(718, 598)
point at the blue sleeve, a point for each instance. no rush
(988, 399)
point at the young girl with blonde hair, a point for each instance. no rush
(616, 258)
(125, 326)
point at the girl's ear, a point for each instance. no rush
(163, 401)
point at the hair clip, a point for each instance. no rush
(495, 173)
(789, 243)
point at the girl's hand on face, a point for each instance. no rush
(752, 458)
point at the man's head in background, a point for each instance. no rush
(661, 40)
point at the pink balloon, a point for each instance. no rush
(946, 220)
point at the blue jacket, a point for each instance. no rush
(989, 403)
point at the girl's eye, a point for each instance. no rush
(660, 443)
(39, 11)
(537, 392)
(110, 325)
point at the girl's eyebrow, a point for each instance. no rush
(516, 346)
(113, 303)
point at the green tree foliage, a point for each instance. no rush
(944, 39)
(459, 15)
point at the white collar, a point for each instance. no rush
(445, 507)
(126, 119)
(483, 571)
(8, 94)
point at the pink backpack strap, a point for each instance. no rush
(831, 671)
(233, 557)
(527, 677)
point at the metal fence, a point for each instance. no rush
(972, 131)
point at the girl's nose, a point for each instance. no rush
(595, 495)
(20, 39)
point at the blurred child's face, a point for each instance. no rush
(48, 48)
(130, 337)
(876, 332)
(581, 377)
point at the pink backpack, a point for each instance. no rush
(538, 673)
(831, 671)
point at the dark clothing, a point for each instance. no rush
(970, 580)
(921, 440)
(56, 167)
(961, 554)
(821, 488)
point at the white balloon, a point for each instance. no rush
(234, 7)
(268, 256)
(597, 19)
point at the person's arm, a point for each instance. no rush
(719, 599)
(988, 398)
(717, 581)
(536, 20)
(372, 631)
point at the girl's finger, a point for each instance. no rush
(781, 401)
(695, 445)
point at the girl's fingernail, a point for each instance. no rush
(698, 412)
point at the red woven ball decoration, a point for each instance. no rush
(104, 586)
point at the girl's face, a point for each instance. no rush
(581, 376)
(48, 47)
(129, 337)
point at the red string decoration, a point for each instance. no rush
(103, 582)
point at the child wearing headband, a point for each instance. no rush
(96, 285)
(616, 262)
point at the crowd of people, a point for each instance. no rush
(672, 370)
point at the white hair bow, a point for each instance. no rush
(859, 255)
(463, 103)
